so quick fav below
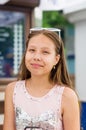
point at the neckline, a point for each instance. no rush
(49, 93)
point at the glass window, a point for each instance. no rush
(11, 42)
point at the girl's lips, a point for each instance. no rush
(36, 65)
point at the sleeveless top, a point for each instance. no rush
(37, 113)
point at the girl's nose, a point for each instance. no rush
(37, 56)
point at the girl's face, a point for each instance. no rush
(40, 55)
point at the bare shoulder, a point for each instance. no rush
(70, 110)
(10, 87)
(69, 98)
(70, 94)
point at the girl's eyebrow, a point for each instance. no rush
(46, 48)
(41, 47)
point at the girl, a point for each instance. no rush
(43, 97)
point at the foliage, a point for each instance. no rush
(54, 19)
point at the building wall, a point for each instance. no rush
(80, 62)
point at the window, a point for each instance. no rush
(11, 42)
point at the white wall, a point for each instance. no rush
(52, 4)
(73, 1)
(58, 4)
(80, 62)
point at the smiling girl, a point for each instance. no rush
(43, 97)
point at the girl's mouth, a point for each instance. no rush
(36, 65)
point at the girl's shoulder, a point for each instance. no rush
(69, 98)
(69, 93)
(10, 87)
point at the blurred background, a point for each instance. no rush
(18, 16)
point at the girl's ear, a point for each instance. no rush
(57, 58)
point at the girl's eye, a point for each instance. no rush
(45, 52)
(31, 50)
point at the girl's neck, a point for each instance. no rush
(38, 87)
(39, 83)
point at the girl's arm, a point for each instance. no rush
(71, 112)
(9, 118)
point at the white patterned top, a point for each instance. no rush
(33, 113)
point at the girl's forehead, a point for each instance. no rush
(41, 38)
(41, 41)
